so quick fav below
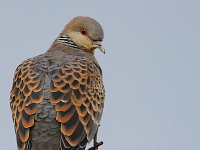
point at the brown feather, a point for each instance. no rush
(60, 93)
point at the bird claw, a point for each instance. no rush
(96, 145)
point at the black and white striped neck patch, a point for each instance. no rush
(66, 40)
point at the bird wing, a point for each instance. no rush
(78, 93)
(26, 93)
(76, 89)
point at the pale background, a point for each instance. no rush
(151, 68)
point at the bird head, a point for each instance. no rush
(85, 32)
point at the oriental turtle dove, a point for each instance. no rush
(57, 98)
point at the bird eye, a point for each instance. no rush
(83, 32)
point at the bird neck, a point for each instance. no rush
(64, 43)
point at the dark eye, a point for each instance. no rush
(83, 32)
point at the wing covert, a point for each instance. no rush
(77, 90)
(26, 93)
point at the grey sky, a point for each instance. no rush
(151, 68)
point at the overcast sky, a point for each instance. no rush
(151, 68)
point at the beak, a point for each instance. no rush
(99, 46)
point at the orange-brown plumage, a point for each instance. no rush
(57, 98)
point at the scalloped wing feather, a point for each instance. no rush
(76, 89)
(26, 93)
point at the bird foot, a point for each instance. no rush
(96, 145)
